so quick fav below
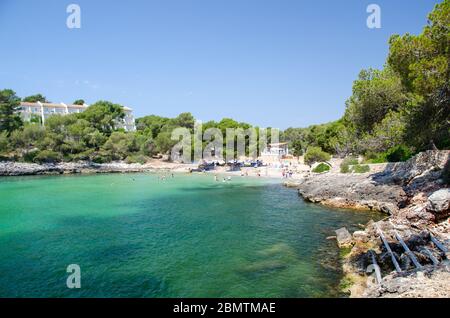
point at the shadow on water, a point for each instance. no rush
(111, 264)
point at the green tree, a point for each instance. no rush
(316, 154)
(35, 98)
(151, 125)
(9, 105)
(184, 120)
(386, 134)
(4, 142)
(79, 102)
(163, 141)
(422, 63)
(375, 94)
(104, 116)
(120, 144)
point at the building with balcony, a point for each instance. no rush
(41, 111)
(275, 152)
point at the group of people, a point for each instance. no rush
(287, 173)
(216, 178)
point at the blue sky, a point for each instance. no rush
(275, 63)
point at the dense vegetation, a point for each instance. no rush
(392, 114)
(92, 135)
(399, 110)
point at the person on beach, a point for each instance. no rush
(215, 178)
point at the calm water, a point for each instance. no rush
(136, 236)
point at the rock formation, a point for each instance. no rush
(416, 199)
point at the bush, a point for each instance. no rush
(4, 145)
(375, 157)
(82, 156)
(321, 167)
(30, 155)
(360, 168)
(316, 154)
(345, 168)
(101, 158)
(47, 156)
(136, 159)
(346, 163)
(398, 153)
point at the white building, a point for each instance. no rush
(276, 149)
(275, 153)
(42, 111)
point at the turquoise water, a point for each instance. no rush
(188, 236)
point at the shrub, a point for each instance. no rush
(47, 156)
(101, 157)
(398, 153)
(4, 145)
(360, 168)
(346, 163)
(375, 157)
(345, 168)
(316, 154)
(82, 156)
(30, 155)
(136, 159)
(321, 167)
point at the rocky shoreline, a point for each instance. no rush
(26, 169)
(416, 201)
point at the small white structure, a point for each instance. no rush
(42, 111)
(278, 149)
(275, 152)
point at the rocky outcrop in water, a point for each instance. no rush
(358, 191)
(343, 237)
(400, 185)
(417, 200)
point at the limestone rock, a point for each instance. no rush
(343, 237)
(388, 208)
(440, 200)
(361, 236)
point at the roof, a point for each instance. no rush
(62, 105)
(52, 105)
